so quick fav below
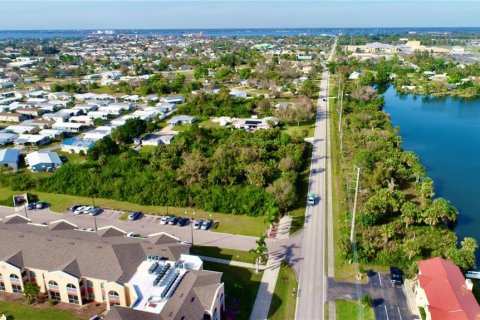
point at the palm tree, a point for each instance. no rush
(260, 253)
(387, 232)
(411, 248)
(270, 218)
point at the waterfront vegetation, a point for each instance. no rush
(399, 222)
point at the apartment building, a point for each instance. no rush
(154, 275)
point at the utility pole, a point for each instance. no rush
(94, 215)
(357, 185)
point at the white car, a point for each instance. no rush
(87, 209)
(164, 220)
(79, 210)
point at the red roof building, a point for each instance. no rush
(444, 293)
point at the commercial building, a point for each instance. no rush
(142, 278)
(443, 292)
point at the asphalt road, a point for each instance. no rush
(312, 292)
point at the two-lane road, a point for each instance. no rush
(312, 291)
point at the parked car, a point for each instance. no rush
(95, 211)
(396, 276)
(135, 215)
(197, 224)
(165, 220)
(31, 206)
(182, 221)
(79, 210)
(207, 224)
(173, 221)
(87, 209)
(73, 208)
(133, 235)
(40, 205)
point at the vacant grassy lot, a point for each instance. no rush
(241, 286)
(347, 310)
(227, 223)
(295, 130)
(284, 299)
(19, 311)
(71, 157)
(227, 254)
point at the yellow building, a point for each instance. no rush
(79, 267)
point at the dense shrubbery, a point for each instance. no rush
(221, 170)
(399, 222)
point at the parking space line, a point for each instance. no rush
(399, 313)
(386, 312)
(379, 278)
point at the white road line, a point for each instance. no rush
(399, 313)
(380, 279)
(386, 312)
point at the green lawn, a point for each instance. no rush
(297, 130)
(209, 124)
(284, 299)
(227, 254)
(17, 311)
(146, 149)
(226, 223)
(348, 310)
(241, 286)
(71, 157)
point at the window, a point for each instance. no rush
(52, 285)
(113, 298)
(89, 284)
(91, 295)
(2, 286)
(71, 288)
(16, 288)
(1, 276)
(54, 295)
(14, 278)
(73, 299)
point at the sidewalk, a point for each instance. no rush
(284, 225)
(266, 290)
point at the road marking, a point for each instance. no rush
(386, 312)
(399, 313)
(379, 278)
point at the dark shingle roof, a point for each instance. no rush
(114, 258)
(122, 313)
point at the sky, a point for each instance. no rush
(182, 14)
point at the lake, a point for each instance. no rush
(445, 134)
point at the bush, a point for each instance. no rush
(366, 300)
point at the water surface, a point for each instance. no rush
(445, 134)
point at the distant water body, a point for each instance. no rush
(445, 134)
(281, 32)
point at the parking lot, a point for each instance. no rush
(147, 224)
(389, 301)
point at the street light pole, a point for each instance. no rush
(357, 185)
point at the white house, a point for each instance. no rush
(42, 161)
(235, 93)
(7, 138)
(69, 126)
(73, 145)
(179, 120)
(98, 133)
(31, 140)
(116, 108)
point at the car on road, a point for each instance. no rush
(73, 208)
(396, 276)
(165, 220)
(40, 205)
(173, 221)
(95, 211)
(207, 224)
(79, 210)
(311, 199)
(197, 224)
(182, 221)
(135, 215)
(324, 99)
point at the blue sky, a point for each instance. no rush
(158, 14)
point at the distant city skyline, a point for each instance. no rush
(128, 14)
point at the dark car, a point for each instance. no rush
(40, 205)
(134, 215)
(396, 276)
(173, 221)
(197, 224)
(73, 208)
(182, 221)
(31, 205)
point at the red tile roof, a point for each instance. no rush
(448, 297)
